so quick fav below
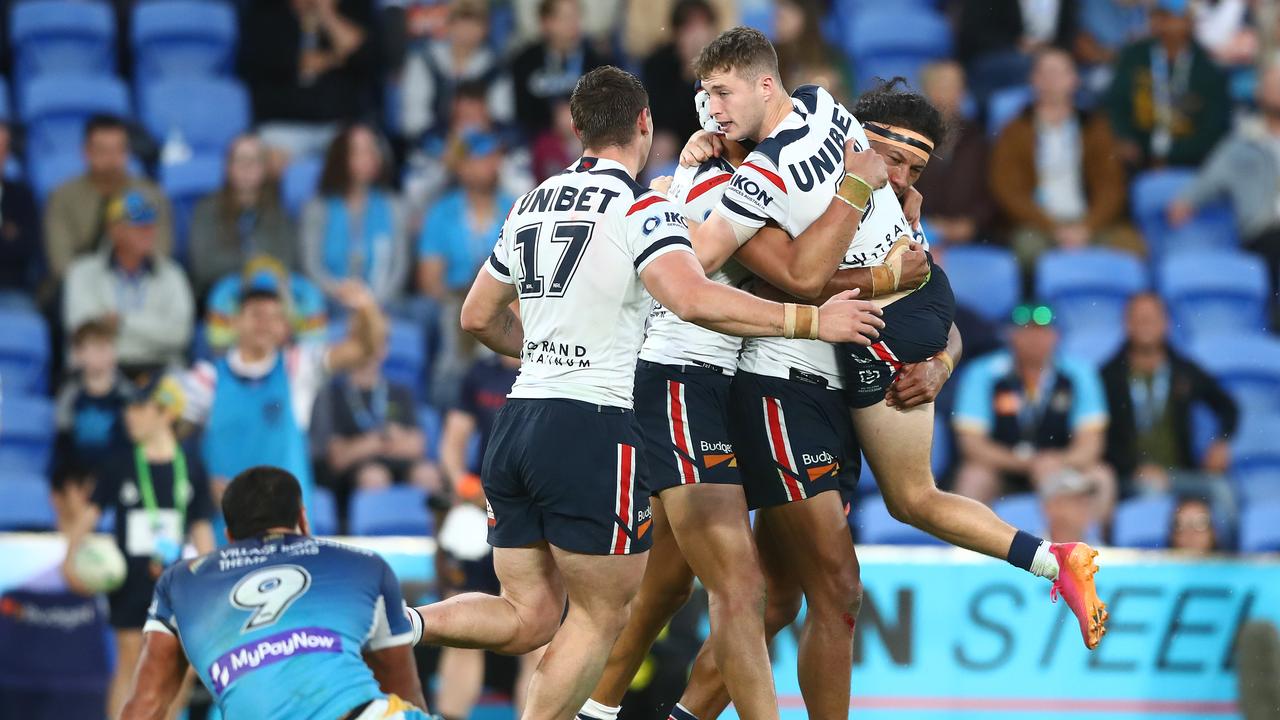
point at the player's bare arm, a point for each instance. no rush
(161, 669)
(397, 673)
(677, 281)
(920, 383)
(368, 331)
(487, 314)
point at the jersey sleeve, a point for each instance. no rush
(390, 626)
(198, 384)
(700, 190)
(1089, 402)
(973, 411)
(160, 616)
(499, 262)
(653, 228)
(755, 194)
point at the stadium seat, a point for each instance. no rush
(886, 40)
(55, 107)
(1143, 522)
(431, 423)
(27, 430)
(1255, 460)
(182, 38)
(985, 279)
(398, 510)
(185, 184)
(1021, 511)
(6, 112)
(206, 112)
(299, 183)
(1088, 288)
(406, 356)
(1248, 366)
(61, 36)
(876, 526)
(1093, 346)
(50, 171)
(24, 353)
(1259, 531)
(1215, 291)
(1151, 192)
(323, 512)
(24, 503)
(1004, 105)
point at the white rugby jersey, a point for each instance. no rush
(669, 339)
(574, 248)
(790, 178)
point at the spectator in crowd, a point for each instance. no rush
(548, 69)
(159, 493)
(465, 563)
(957, 209)
(558, 146)
(1192, 532)
(1024, 414)
(668, 76)
(1053, 174)
(21, 254)
(996, 39)
(310, 65)
(433, 73)
(1106, 26)
(132, 287)
(804, 55)
(241, 220)
(255, 402)
(1151, 389)
(368, 430)
(1245, 168)
(305, 305)
(74, 216)
(641, 35)
(90, 407)
(1222, 28)
(356, 229)
(601, 21)
(1066, 499)
(1168, 103)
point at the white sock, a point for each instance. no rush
(596, 711)
(1044, 564)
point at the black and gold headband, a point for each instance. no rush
(900, 137)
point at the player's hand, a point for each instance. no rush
(702, 146)
(843, 318)
(917, 384)
(868, 165)
(915, 267)
(662, 183)
(912, 203)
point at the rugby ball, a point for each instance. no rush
(99, 565)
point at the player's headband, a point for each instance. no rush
(900, 137)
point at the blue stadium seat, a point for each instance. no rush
(185, 184)
(985, 279)
(398, 510)
(24, 353)
(299, 182)
(6, 113)
(1151, 192)
(24, 503)
(323, 512)
(1248, 366)
(1092, 345)
(61, 36)
(1004, 105)
(887, 31)
(1088, 288)
(431, 422)
(1021, 511)
(183, 38)
(881, 67)
(27, 430)
(1259, 531)
(876, 526)
(1143, 522)
(1255, 459)
(55, 107)
(207, 112)
(406, 356)
(1215, 291)
(50, 171)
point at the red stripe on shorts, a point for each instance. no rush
(778, 444)
(680, 431)
(626, 469)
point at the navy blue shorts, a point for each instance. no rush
(915, 329)
(684, 420)
(567, 472)
(793, 440)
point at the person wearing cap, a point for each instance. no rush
(305, 305)
(1066, 500)
(1025, 413)
(1168, 102)
(159, 493)
(128, 284)
(255, 401)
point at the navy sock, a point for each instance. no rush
(1023, 550)
(679, 713)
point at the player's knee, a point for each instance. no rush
(909, 506)
(840, 591)
(781, 610)
(667, 600)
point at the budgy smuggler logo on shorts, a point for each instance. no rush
(270, 650)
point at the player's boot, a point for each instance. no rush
(1076, 569)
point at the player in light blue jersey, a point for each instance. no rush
(279, 624)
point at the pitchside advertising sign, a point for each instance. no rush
(946, 634)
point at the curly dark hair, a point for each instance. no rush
(893, 102)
